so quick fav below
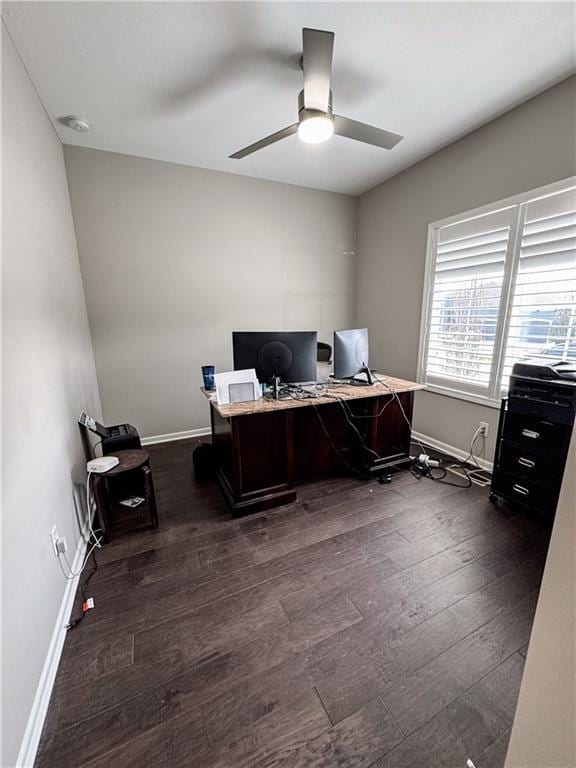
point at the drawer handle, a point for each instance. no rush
(521, 490)
(531, 433)
(526, 462)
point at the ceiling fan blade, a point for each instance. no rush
(272, 139)
(317, 65)
(368, 134)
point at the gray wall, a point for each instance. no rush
(48, 376)
(174, 258)
(527, 147)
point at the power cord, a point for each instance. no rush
(419, 469)
(93, 536)
(91, 553)
(335, 448)
(73, 574)
(426, 470)
(402, 411)
(85, 608)
(301, 394)
(472, 473)
(345, 410)
(422, 469)
(88, 510)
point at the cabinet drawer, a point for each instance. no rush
(536, 465)
(542, 498)
(536, 433)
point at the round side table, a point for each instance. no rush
(130, 461)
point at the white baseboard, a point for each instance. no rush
(31, 738)
(170, 437)
(450, 450)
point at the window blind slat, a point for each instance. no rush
(548, 223)
(465, 299)
(543, 302)
(563, 253)
(446, 254)
(549, 235)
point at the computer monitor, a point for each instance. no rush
(286, 355)
(351, 355)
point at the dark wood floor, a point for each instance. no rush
(365, 625)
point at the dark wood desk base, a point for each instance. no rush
(261, 455)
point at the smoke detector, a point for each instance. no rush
(79, 124)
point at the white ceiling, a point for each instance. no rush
(193, 82)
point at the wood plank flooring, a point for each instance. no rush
(366, 625)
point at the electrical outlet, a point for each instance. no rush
(61, 546)
(484, 428)
(54, 538)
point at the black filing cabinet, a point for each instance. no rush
(533, 436)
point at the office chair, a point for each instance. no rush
(324, 352)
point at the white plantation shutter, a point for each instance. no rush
(464, 302)
(543, 305)
(501, 285)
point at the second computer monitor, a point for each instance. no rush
(351, 354)
(288, 355)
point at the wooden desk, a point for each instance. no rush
(264, 447)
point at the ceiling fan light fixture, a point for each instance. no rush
(315, 129)
(316, 121)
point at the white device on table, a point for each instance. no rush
(97, 467)
(102, 464)
(237, 386)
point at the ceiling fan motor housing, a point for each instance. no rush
(304, 114)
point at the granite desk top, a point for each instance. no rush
(383, 385)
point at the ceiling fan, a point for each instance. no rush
(316, 122)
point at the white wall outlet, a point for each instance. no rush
(61, 546)
(484, 428)
(54, 538)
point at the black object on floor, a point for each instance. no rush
(204, 459)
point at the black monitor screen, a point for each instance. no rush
(290, 355)
(350, 352)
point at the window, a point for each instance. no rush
(500, 286)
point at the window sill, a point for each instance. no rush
(459, 395)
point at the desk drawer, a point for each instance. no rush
(542, 498)
(536, 433)
(536, 465)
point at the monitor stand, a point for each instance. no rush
(360, 382)
(275, 388)
(275, 381)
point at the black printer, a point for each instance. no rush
(544, 369)
(120, 437)
(534, 432)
